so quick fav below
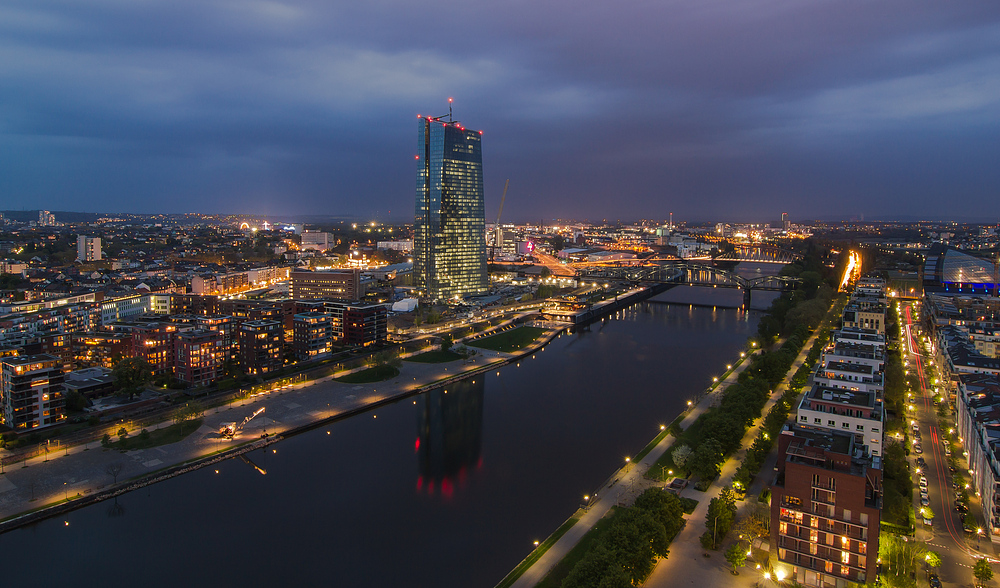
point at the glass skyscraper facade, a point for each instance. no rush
(449, 241)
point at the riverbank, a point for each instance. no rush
(75, 477)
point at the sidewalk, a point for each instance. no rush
(622, 486)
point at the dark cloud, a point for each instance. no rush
(712, 109)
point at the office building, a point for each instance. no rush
(826, 501)
(338, 284)
(315, 240)
(88, 248)
(32, 394)
(449, 243)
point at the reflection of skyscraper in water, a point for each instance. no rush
(449, 435)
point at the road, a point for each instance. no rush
(946, 536)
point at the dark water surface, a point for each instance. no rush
(447, 490)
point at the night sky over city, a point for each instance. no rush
(710, 109)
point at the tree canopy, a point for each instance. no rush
(130, 376)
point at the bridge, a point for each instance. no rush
(763, 253)
(694, 274)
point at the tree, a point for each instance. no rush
(720, 516)
(704, 463)
(114, 469)
(983, 572)
(736, 556)
(130, 376)
(755, 524)
(189, 411)
(681, 455)
(933, 559)
(665, 507)
(446, 342)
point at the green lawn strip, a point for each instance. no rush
(537, 553)
(434, 357)
(649, 447)
(688, 504)
(562, 569)
(164, 436)
(508, 341)
(373, 374)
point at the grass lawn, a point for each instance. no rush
(375, 374)
(165, 436)
(562, 569)
(508, 341)
(434, 357)
(536, 554)
(650, 446)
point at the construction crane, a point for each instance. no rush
(498, 237)
(229, 430)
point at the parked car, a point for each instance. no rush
(678, 483)
(923, 481)
(924, 500)
(959, 507)
(921, 462)
(917, 448)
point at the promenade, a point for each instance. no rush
(627, 483)
(78, 471)
(686, 563)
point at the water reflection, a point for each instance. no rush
(449, 435)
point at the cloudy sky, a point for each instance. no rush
(711, 109)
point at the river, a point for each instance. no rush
(448, 489)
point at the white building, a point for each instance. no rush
(88, 248)
(851, 411)
(396, 245)
(315, 240)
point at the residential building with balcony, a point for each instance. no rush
(978, 419)
(32, 393)
(845, 411)
(826, 500)
(198, 356)
(261, 346)
(313, 335)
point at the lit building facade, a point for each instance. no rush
(449, 243)
(826, 501)
(88, 248)
(261, 346)
(313, 335)
(338, 284)
(199, 355)
(32, 393)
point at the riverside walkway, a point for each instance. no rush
(73, 472)
(622, 487)
(686, 563)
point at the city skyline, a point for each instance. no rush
(740, 111)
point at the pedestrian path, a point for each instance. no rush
(687, 564)
(622, 486)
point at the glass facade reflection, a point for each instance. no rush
(449, 435)
(449, 242)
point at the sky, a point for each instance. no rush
(715, 110)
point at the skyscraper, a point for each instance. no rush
(449, 242)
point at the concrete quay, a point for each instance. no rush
(76, 476)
